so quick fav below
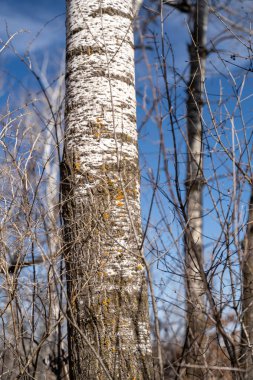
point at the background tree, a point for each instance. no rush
(196, 308)
(221, 251)
(247, 296)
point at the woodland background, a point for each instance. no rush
(32, 279)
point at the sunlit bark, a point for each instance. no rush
(107, 292)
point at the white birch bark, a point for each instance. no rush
(193, 235)
(100, 181)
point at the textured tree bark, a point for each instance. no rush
(106, 283)
(196, 317)
(247, 297)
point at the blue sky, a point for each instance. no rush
(41, 33)
(31, 16)
(43, 39)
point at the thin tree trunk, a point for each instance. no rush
(247, 297)
(196, 317)
(107, 291)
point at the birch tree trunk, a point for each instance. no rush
(194, 182)
(247, 297)
(108, 328)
